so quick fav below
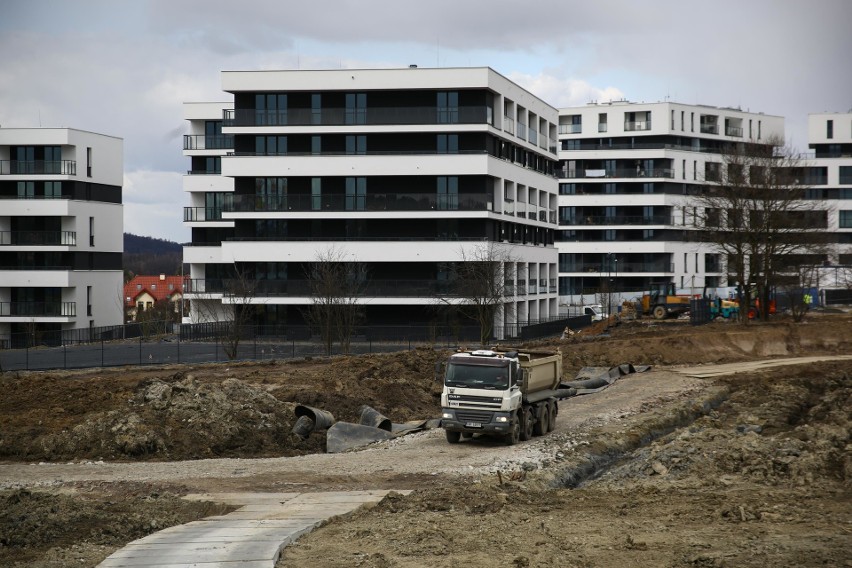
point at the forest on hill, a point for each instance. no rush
(149, 255)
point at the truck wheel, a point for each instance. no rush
(659, 312)
(514, 435)
(527, 422)
(543, 420)
(554, 411)
(453, 437)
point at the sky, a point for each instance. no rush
(125, 67)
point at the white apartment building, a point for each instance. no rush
(405, 171)
(627, 172)
(830, 141)
(61, 232)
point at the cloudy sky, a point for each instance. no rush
(124, 67)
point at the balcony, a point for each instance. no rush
(635, 126)
(618, 220)
(38, 309)
(38, 167)
(38, 238)
(602, 127)
(341, 116)
(533, 137)
(618, 173)
(709, 128)
(522, 131)
(192, 214)
(623, 267)
(733, 131)
(370, 202)
(509, 125)
(570, 128)
(302, 288)
(203, 142)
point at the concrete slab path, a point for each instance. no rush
(253, 536)
(708, 371)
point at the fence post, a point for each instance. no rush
(140, 349)
(27, 349)
(64, 356)
(294, 348)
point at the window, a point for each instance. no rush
(846, 174)
(845, 219)
(316, 108)
(567, 189)
(91, 231)
(213, 165)
(316, 194)
(609, 235)
(448, 107)
(356, 144)
(609, 188)
(692, 122)
(448, 143)
(602, 122)
(139, 286)
(88, 300)
(829, 129)
(683, 170)
(448, 192)
(53, 189)
(759, 124)
(571, 144)
(694, 169)
(356, 193)
(356, 108)
(673, 119)
(682, 120)
(88, 162)
(270, 194)
(270, 145)
(270, 109)
(316, 145)
(26, 189)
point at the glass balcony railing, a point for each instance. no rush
(709, 128)
(38, 238)
(38, 167)
(521, 131)
(617, 173)
(370, 202)
(508, 124)
(38, 309)
(617, 220)
(341, 116)
(570, 128)
(191, 214)
(637, 125)
(204, 142)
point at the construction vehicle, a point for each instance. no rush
(511, 395)
(727, 309)
(662, 301)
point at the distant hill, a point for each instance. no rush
(149, 256)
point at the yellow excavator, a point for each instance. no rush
(661, 301)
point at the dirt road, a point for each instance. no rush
(668, 468)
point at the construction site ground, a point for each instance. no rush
(687, 465)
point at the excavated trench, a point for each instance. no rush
(612, 448)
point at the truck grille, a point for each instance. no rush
(473, 416)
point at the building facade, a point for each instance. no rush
(407, 172)
(61, 232)
(830, 141)
(627, 172)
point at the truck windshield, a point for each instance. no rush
(477, 376)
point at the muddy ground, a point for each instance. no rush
(763, 479)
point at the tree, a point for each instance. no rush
(756, 214)
(336, 287)
(233, 313)
(797, 284)
(479, 284)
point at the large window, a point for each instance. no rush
(356, 193)
(356, 108)
(448, 107)
(270, 109)
(356, 144)
(845, 219)
(846, 174)
(270, 194)
(316, 194)
(448, 192)
(316, 108)
(448, 143)
(270, 145)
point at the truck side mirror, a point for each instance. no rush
(439, 371)
(523, 376)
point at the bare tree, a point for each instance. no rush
(337, 287)
(479, 285)
(756, 214)
(235, 311)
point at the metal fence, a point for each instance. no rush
(158, 343)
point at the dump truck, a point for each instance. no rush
(508, 394)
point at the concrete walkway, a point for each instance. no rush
(708, 371)
(253, 536)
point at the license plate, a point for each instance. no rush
(473, 424)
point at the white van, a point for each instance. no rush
(594, 310)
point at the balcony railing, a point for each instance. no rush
(618, 220)
(623, 267)
(602, 126)
(204, 142)
(618, 173)
(633, 126)
(734, 131)
(521, 131)
(370, 202)
(38, 238)
(38, 167)
(709, 128)
(302, 288)
(570, 128)
(191, 214)
(38, 309)
(508, 124)
(341, 116)
(533, 136)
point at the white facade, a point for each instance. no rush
(403, 170)
(627, 171)
(830, 141)
(61, 232)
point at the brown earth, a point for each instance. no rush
(761, 480)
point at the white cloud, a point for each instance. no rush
(565, 92)
(153, 205)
